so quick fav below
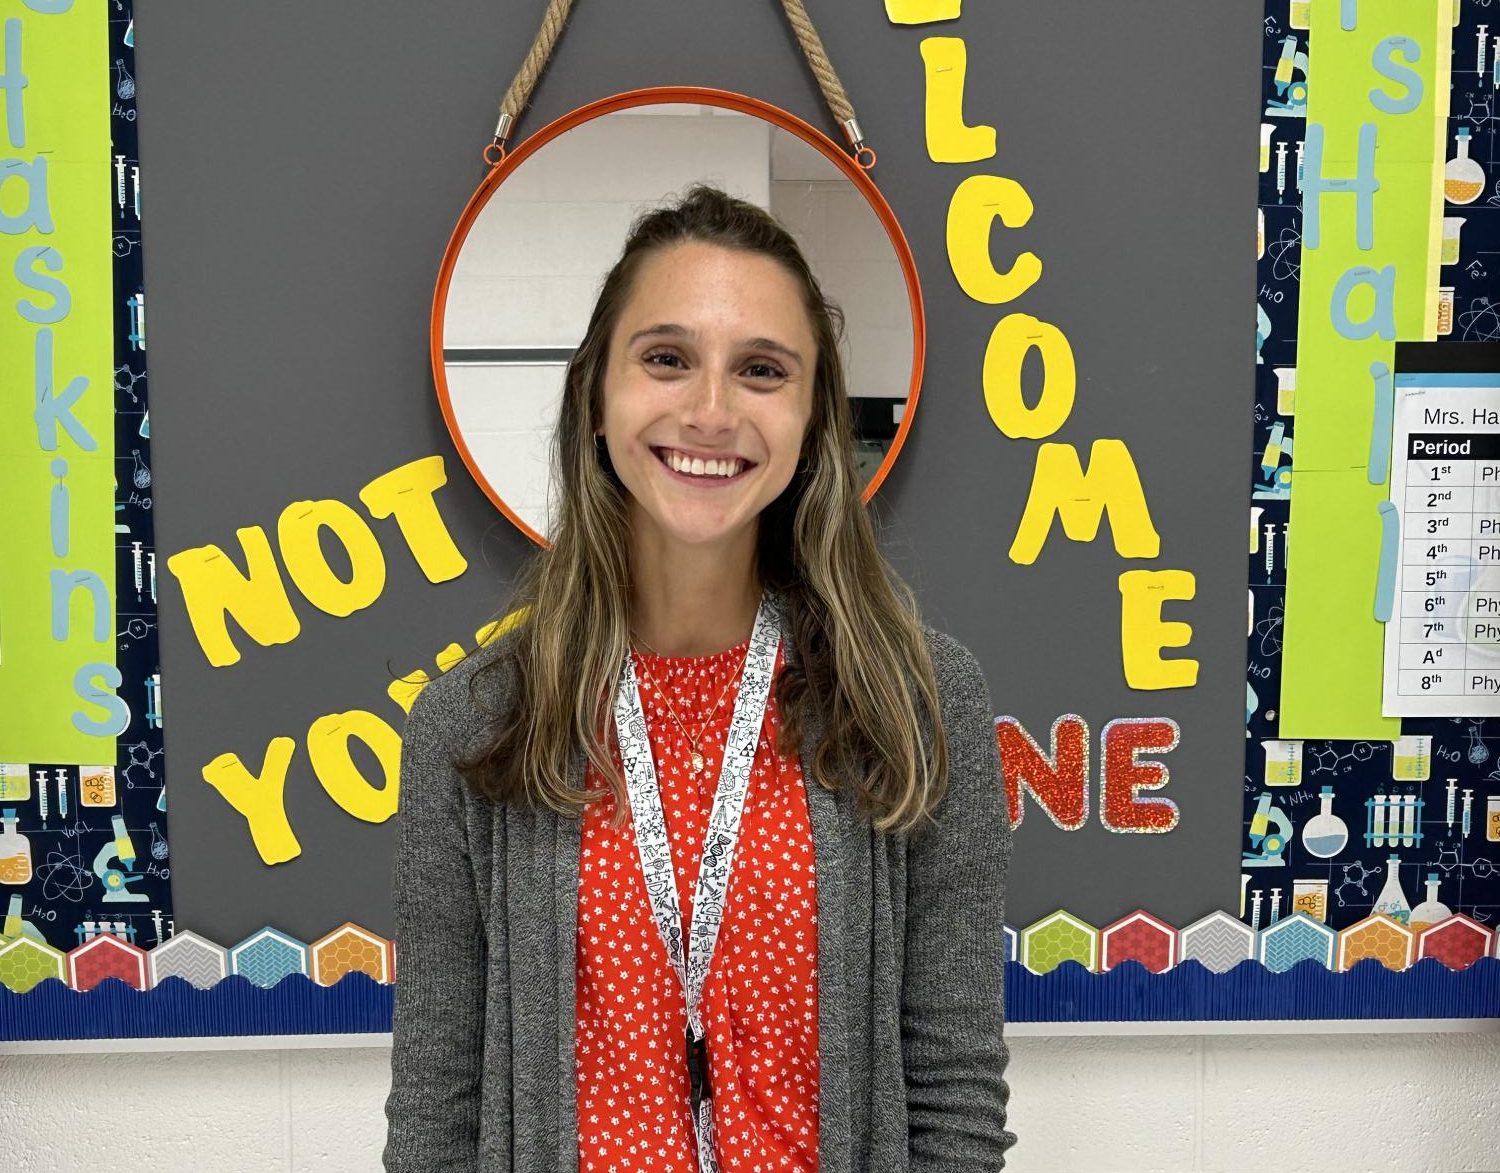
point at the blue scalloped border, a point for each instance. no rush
(1188, 992)
(176, 1009)
(1129, 993)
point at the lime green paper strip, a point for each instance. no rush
(1333, 645)
(63, 124)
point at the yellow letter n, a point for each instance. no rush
(214, 589)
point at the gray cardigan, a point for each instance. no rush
(910, 959)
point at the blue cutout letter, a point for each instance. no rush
(1382, 318)
(35, 214)
(1380, 61)
(1364, 186)
(62, 300)
(12, 82)
(119, 712)
(54, 409)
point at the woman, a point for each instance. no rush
(721, 697)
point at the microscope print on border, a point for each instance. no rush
(1342, 830)
(1381, 816)
(77, 868)
(84, 847)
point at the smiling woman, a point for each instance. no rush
(526, 260)
(712, 604)
(708, 850)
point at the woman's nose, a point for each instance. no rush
(709, 405)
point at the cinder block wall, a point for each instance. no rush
(1352, 1103)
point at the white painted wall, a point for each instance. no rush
(847, 248)
(1352, 1103)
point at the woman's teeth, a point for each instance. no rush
(694, 466)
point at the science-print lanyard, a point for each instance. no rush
(718, 844)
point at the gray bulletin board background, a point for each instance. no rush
(303, 166)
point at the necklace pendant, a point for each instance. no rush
(697, 760)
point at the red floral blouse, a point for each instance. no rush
(760, 1001)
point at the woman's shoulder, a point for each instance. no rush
(463, 700)
(956, 669)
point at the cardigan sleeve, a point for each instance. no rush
(432, 1110)
(953, 992)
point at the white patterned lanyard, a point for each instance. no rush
(718, 844)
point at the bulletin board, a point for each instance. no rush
(293, 222)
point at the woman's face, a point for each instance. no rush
(708, 391)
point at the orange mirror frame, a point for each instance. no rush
(696, 95)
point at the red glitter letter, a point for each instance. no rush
(1059, 783)
(1120, 809)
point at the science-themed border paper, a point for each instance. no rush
(1059, 969)
(83, 824)
(1377, 216)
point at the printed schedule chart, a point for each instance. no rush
(1442, 641)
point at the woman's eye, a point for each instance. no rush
(765, 370)
(667, 355)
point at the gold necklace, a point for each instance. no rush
(695, 756)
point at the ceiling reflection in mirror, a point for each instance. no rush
(529, 270)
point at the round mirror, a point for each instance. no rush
(525, 263)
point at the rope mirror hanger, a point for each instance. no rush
(498, 375)
(556, 16)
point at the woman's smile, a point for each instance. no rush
(703, 470)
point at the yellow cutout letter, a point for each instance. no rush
(407, 492)
(1004, 358)
(449, 656)
(948, 139)
(976, 203)
(259, 799)
(921, 11)
(297, 532)
(328, 746)
(490, 632)
(405, 689)
(213, 588)
(1143, 632)
(1060, 486)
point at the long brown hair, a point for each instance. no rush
(859, 649)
